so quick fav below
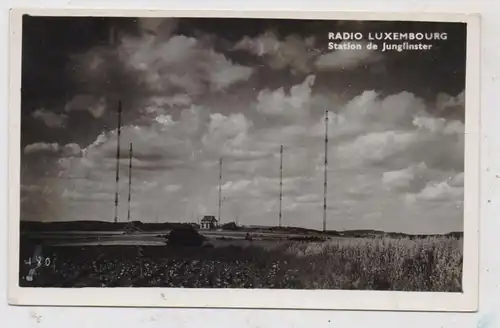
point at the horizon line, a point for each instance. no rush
(250, 225)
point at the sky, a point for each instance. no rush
(197, 90)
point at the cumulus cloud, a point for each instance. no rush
(71, 150)
(397, 128)
(41, 147)
(452, 106)
(382, 150)
(150, 157)
(68, 150)
(95, 105)
(397, 140)
(291, 52)
(347, 59)
(381, 147)
(369, 112)
(156, 70)
(457, 180)
(51, 119)
(422, 153)
(402, 179)
(439, 125)
(163, 144)
(295, 104)
(226, 134)
(438, 191)
(180, 63)
(376, 147)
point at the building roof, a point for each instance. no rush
(210, 218)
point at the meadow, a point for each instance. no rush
(381, 263)
(429, 264)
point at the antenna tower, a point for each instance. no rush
(220, 188)
(129, 181)
(281, 184)
(118, 159)
(326, 171)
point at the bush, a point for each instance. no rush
(185, 236)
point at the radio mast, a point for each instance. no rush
(281, 183)
(220, 188)
(326, 171)
(118, 159)
(129, 181)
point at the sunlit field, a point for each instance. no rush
(429, 264)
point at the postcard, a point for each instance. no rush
(238, 159)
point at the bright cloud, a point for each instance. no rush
(402, 179)
(180, 63)
(438, 191)
(295, 104)
(226, 134)
(291, 52)
(41, 147)
(157, 70)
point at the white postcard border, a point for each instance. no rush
(257, 298)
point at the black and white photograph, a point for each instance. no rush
(244, 153)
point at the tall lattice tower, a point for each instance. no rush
(281, 186)
(118, 159)
(326, 172)
(129, 181)
(220, 190)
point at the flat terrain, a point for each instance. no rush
(266, 261)
(148, 238)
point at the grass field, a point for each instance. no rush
(429, 264)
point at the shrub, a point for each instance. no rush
(185, 236)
